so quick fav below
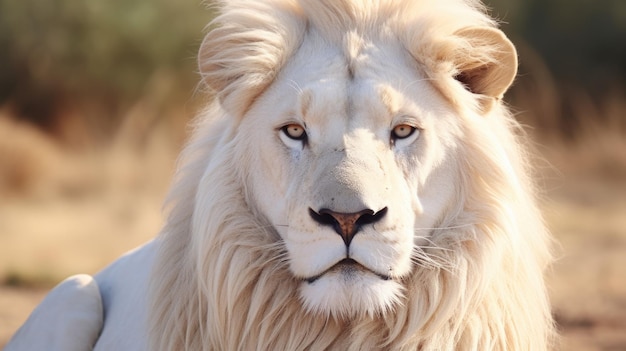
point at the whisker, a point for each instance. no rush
(430, 241)
(435, 248)
(430, 260)
(295, 86)
(409, 84)
(460, 226)
(427, 255)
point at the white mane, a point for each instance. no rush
(222, 281)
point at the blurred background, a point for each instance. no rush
(95, 97)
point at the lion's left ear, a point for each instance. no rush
(486, 62)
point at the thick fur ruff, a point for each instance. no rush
(222, 281)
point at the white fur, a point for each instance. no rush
(68, 319)
(242, 265)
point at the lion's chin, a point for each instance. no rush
(350, 292)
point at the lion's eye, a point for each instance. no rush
(402, 131)
(294, 131)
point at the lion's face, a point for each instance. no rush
(351, 162)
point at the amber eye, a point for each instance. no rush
(402, 131)
(294, 131)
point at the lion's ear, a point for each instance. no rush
(237, 66)
(486, 62)
(244, 52)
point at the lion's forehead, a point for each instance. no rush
(367, 101)
(370, 81)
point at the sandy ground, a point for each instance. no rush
(588, 281)
(15, 305)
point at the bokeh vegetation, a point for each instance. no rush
(582, 41)
(573, 62)
(95, 59)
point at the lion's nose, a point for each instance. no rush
(347, 224)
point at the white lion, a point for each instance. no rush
(357, 185)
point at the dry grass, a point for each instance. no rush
(69, 212)
(65, 212)
(583, 168)
(62, 211)
(587, 283)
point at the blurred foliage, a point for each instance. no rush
(572, 63)
(98, 58)
(582, 41)
(66, 52)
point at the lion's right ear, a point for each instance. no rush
(489, 63)
(249, 44)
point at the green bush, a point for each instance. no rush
(582, 41)
(58, 52)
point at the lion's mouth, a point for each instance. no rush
(347, 266)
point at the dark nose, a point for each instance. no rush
(347, 224)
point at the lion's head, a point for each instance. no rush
(358, 177)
